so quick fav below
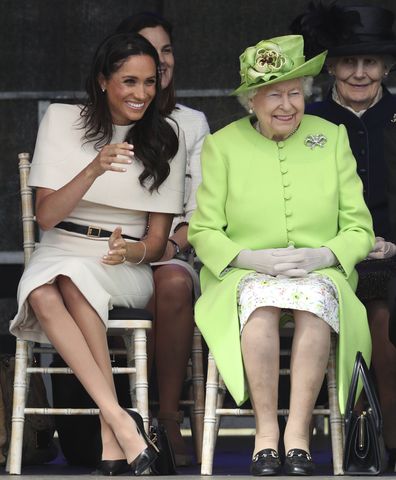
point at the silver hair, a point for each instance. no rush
(245, 97)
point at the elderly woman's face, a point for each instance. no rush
(358, 79)
(130, 89)
(279, 108)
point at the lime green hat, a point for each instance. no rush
(276, 60)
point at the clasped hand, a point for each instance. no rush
(382, 249)
(291, 262)
(117, 249)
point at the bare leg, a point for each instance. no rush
(173, 342)
(310, 355)
(260, 350)
(66, 336)
(384, 364)
(94, 332)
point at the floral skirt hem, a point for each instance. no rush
(314, 293)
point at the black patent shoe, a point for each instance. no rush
(111, 468)
(265, 462)
(150, 454)
(298, 462)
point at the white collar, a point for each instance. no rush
(337, 99)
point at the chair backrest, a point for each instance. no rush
(28, 218)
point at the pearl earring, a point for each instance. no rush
(103, 89)
(250, 110)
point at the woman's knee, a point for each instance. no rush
(173, 283)
(68, 289)
(42, 298)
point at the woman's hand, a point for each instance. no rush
(169, 252)
(291, 262)
(109, 157)
(262, 261)
(382, 249)
(300, 261)
(117, 249)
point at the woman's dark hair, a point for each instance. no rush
(134, 24)
(154, 140)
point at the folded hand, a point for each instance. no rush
(382, 249)
(300, 261)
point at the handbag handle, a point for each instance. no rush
(360, 368)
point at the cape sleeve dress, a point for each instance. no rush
(115, 199)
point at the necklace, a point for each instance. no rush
(257, 127)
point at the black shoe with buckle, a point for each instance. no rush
(265, 462)
(298, 462)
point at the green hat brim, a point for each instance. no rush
(310, 68)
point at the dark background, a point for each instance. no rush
(45, 51)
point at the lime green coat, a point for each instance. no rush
(257, 193)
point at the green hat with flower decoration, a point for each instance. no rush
(276, 60)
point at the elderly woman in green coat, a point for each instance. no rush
(280, 225)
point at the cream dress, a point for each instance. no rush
(115, 199)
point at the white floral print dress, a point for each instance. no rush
(314, 293)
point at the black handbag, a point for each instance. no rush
(165, 463)
(364, 451)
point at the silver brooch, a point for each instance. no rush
(313, 141)
(394, 118)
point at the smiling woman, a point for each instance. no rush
(359, 78)
(362, 50)
(279, 108)
(279, 227)
(130, 89)
(105, 167)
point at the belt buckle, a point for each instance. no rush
(93, 231)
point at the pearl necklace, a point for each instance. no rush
(257, 127)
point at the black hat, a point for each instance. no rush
(346, 30)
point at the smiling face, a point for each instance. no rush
(160, 40)
(358, 79)
(279, 108)
(130, 89)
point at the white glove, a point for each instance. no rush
(262, 261)
(300, 261)
(382, 249)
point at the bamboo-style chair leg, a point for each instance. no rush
(198, 392)
(336, 422)
(141, 384)
(220, 401)
(209, 434)
(14, 460)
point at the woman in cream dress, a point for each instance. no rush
(99, 169)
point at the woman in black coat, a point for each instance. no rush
(361, 52)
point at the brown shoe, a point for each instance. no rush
(171, 421)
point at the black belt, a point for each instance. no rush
(90, 231)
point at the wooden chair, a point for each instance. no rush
(197, 400)
(129, 323)
(215, 392)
